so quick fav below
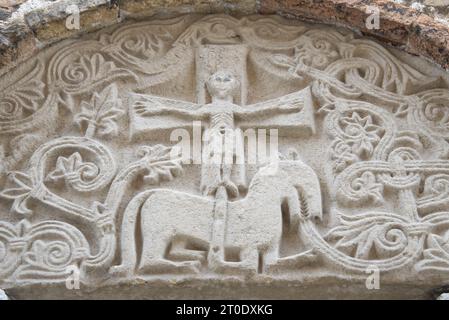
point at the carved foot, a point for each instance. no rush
(210, 190)
(231, 188)
(234, 268)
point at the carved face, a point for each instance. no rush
(222, 84)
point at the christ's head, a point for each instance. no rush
(222, 84)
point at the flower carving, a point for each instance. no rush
(99, 116)
(367, 187)
(362, 132)
(73, 169)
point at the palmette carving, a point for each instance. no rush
(85, 203)
(99, 116)
(23, 97)
(373, 235)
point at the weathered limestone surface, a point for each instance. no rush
(98, 184)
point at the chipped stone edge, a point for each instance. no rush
(400, 26)
(29, 30)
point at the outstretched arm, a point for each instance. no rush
(150, 105)
(144, 110)
(287, 104)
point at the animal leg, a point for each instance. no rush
(248, 264)
(180, 251)
(154, 261)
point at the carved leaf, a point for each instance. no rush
(164, 163)
(140, 48)
(101, 113)
(73, 167)
(97, 67)
(21, 193)
(24, 95)
(369, 235)
(402, 110)
(84, 73)
(436, 256)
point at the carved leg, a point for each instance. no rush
(210, 178)
(228, 162)
(247, 266)
(211, 166)
(270, 258)
(180, 252)
(153, 257)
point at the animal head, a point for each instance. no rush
(291, 178)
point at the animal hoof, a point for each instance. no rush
(121, 270)
(192, 266)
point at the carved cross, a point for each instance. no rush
(217, 74)
(217, 71)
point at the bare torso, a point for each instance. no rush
(221, 115)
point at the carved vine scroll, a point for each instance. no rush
(371, 190)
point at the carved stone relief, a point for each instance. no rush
(95, 181)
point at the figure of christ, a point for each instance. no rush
(223, 144)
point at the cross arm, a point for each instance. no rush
(290, 103)
(147, 105)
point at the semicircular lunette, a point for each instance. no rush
(209, 147)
